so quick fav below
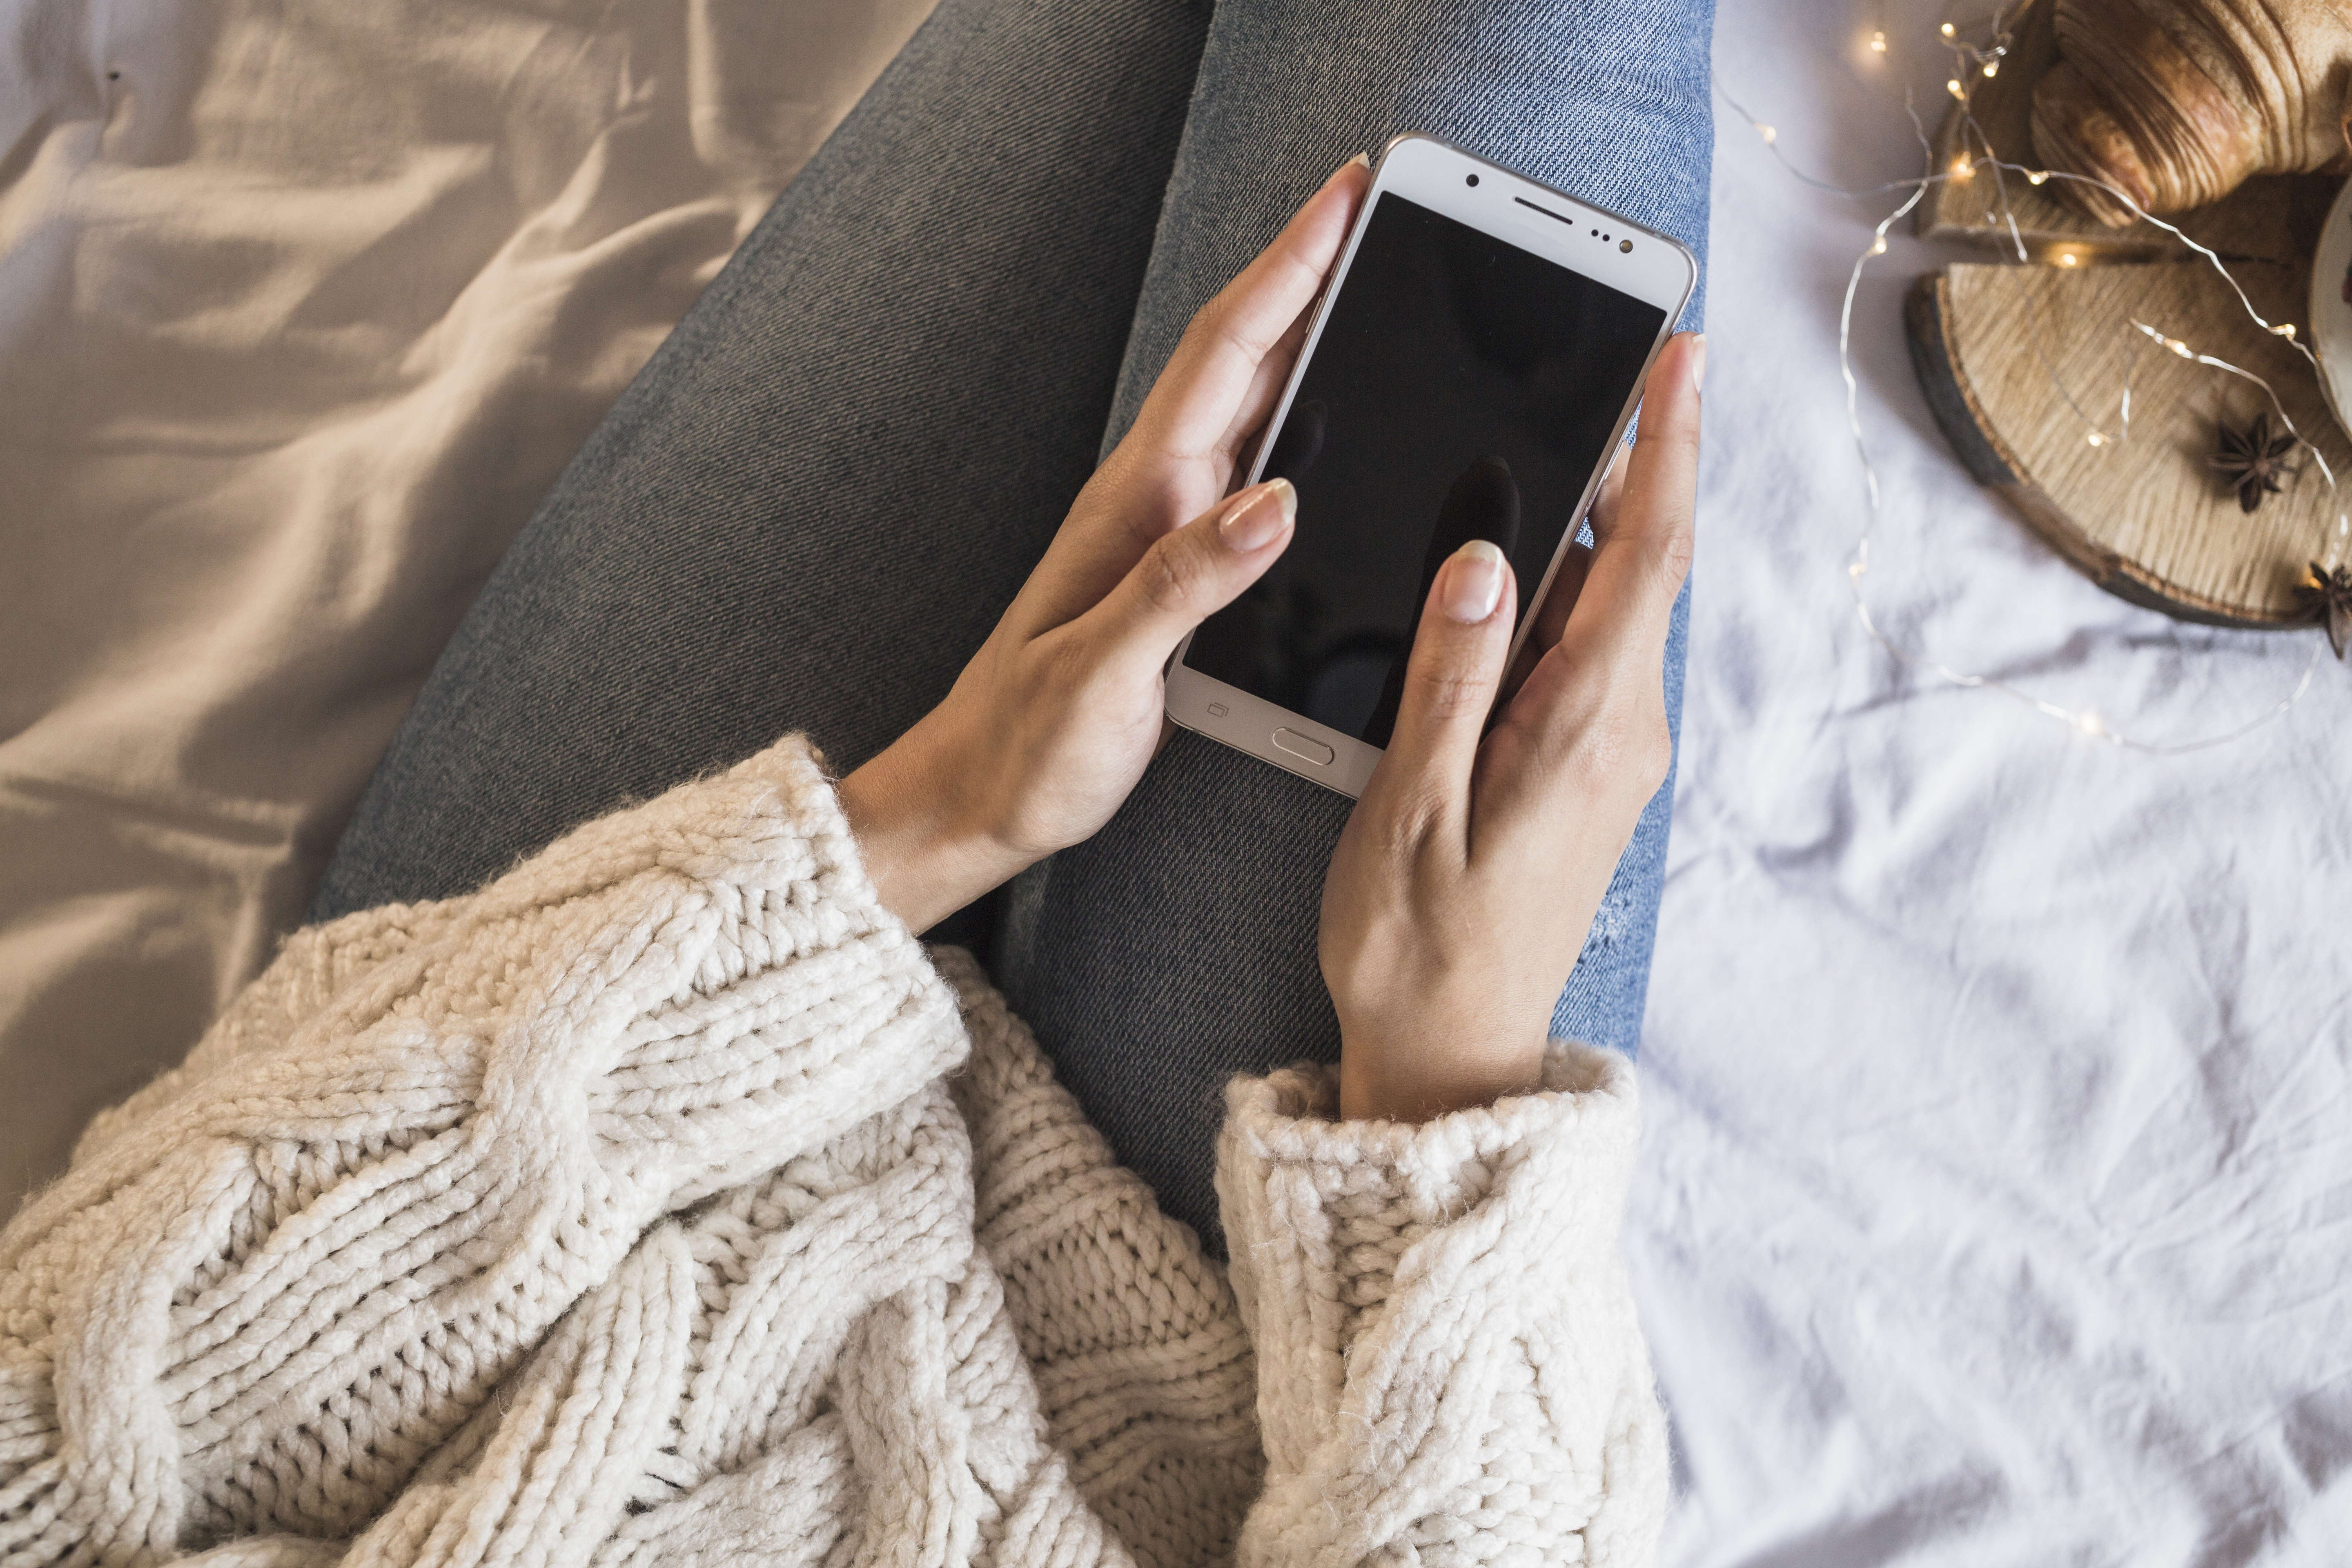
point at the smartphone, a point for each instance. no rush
(1469, 373)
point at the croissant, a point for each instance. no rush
(2176, 102)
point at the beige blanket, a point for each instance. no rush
(302, 307)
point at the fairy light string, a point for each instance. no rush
(1972, 65)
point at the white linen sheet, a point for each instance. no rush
(1997, 1204)
(1999, 1166)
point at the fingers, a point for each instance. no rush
(1641, 544)
(1222, 381)
(1594, 707)
(1189, 575)
(1451, 678)
(1219, 387)
(1568, 583)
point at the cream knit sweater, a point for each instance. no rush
(666, 1202)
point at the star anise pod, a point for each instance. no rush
(2253, 461)
(2330, 594)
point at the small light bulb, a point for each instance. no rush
(1955, 90)
(2095, 439)
(1963, 170)
(1856, 568)
(2176, 346)
(1993, 68)
(1766, 132)
(1945, 30)
(1878, 245)
(2285, 330)
(2090, 723)
(1878, 42)
(2035, 176)
(2068, 258)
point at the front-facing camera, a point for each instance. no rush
(1469, 179)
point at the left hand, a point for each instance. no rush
(1054, 721)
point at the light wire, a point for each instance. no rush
(1975, 62)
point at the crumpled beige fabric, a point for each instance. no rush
(303, 306)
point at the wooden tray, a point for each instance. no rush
(2021, 363)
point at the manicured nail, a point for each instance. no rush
(1474, 581)
(1698, 362)
(1255, 519)
(1343, 168)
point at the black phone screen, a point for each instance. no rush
(1462, 388)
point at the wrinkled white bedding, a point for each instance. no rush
(1998, 1199)
(1999, 1176)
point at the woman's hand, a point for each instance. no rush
(1056, 717)
(1467, 878)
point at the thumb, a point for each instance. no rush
(1192, 572)
(1450, 680)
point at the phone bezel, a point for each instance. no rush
(1659, 271)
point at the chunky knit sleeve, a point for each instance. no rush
(1449, 1365)
(275, 1280)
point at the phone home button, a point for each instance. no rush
(1299, 745)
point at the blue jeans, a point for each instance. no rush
(815, 500)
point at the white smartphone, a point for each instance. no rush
(1469, 373)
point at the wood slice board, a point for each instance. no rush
(2273, 218)
(1999, 348)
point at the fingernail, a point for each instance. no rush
(1358, 158)
(1698, 362)
(1257, 519)
(1474, 581)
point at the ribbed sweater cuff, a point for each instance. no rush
(1407, 1286)
(1415, 1175)
(1294, 1113)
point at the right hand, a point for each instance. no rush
(1468, 875)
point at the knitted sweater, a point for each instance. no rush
(666, 1202)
